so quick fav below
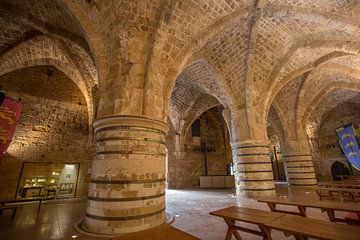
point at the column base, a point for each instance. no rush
(80, 228)
(255, 194)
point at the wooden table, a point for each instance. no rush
(341, 189)
(249, 215)
(298, 226)
(302, 228)
(328, 206)
(341, 184)
(331, 206)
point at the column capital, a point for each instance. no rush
(297, 147)
(130, 121)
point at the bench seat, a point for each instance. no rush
(298, 226)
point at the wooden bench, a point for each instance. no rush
(327, 206)
(302, 228)
(13, 204)
(249, 215)
(298, 226)
(163, 232)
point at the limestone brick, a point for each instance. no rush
(52, 126)
(186, 163)
(276, 65)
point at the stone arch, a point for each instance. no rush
(323, 95)
(219, 25)
(184, 130)
(92, 36)
(48, 52)
(276, 86)
(339, 71)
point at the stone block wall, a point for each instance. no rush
(186, 163)
(53, 126)
(327, 149)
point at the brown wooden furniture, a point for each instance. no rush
(298, 226)
(328, 206)
(163, 232)
(13, 204)
(342, 191)
(302, 228)
(341, 184)
(249, 215)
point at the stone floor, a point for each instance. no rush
(190, 207)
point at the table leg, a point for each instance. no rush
(331, 214)
(266, 232)
(302, 211)
(1, 208)
(14, 212)
(318, 192)
(272, 206)
(231, 231)
(39, 207)
(298, 237)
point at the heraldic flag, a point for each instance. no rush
(9, 117)
(349, 144)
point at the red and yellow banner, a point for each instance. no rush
(9, 117)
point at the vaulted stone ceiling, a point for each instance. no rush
(329, 102)
(174, 57)
(44, 32)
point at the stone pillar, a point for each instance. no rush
(127, 188)
(253, 169)
(299, 166)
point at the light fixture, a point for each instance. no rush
(74, 236)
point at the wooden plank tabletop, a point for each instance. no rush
(249, 215)
(335, 205)
(288, 201)
(315, 228)
(338, 189)
(347, 184)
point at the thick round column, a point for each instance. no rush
(253, 170)
(127, 188)
(300, 170)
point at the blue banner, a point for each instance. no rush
(349, 144)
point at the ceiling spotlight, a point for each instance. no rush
(74, 236)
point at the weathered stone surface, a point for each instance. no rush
(127, 188)
(282, 62)
(53, 126)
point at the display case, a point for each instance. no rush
(48, 179)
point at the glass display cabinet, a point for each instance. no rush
(48, 179)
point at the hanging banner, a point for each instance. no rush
(349, 144)
(9, 117)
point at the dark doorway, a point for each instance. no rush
(338, 168)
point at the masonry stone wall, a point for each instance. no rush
(53, 126)
(326, 146)
(186, 162)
